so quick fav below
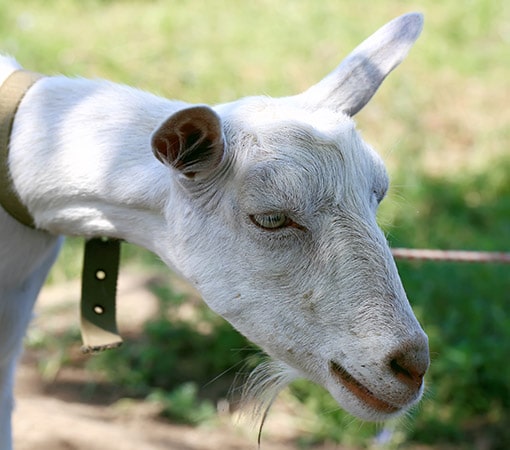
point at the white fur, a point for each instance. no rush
(322, 289)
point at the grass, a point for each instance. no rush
(441, 122)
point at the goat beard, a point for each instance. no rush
(259, 390)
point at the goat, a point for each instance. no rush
(266, 205)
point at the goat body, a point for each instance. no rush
(267, 206)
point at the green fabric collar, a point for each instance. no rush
(98, 294)
(101, 260)
(12, 92)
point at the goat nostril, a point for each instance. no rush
(407, 370)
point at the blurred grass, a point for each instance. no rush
(441, 122)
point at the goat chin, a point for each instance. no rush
(260, 388)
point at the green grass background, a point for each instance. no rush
(441, 123)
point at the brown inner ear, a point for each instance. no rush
(197, 147)
(191, 141)
(193, 135)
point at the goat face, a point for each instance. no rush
(278, 231)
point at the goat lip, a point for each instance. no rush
(361, 391)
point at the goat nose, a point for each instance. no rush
(410, 363)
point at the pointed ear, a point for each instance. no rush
(353, 83)
(191, 141)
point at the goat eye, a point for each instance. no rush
(271, 221)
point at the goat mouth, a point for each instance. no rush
(361, 391)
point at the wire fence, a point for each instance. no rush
(451, 255)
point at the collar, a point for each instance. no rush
(101, 260)
(12, 92)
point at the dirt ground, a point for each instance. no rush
(59, 412)
(56, 417)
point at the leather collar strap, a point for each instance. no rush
(12, 92)
(98, 292)
(101, 261)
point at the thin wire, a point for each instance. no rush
(451, 255)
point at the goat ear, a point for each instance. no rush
(353, 83)
(191, 141)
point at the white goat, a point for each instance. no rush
(267, 206)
